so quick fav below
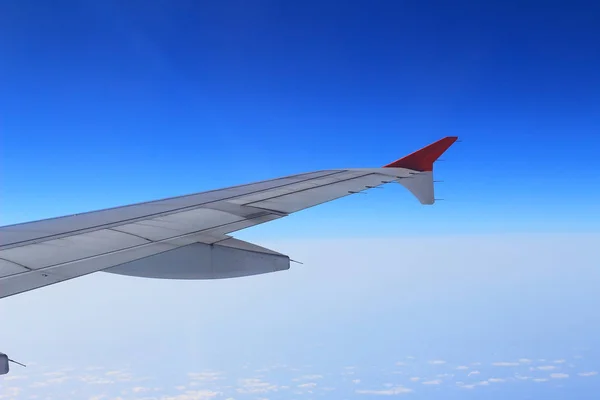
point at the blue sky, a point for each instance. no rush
(105, 103)
(179, 98)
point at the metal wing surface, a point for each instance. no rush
(186, 237)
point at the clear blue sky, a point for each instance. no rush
(104, 103)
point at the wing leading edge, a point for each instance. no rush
(186, 237)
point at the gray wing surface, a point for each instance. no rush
(183, 237)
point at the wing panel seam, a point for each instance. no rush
(17, 264)
(131, 234)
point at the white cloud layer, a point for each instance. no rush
(208, 385)
(354, 302)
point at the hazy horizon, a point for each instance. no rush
(366, 316)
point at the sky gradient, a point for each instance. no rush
(176, 98)
(105, 103)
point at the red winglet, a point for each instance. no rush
(422, 160)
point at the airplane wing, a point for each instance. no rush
(186, 237)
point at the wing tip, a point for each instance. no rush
(423, 159)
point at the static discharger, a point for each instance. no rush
(16, 362)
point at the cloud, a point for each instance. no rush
(308, 378)
(386, 392)
(559, 376)
(462, 367)
(473, 373)
(433, 382)
(466, 386)
(356, 381)
(540, 380)
(480, 383)
(525, 360)
(255, 385)
(505, 364)
(120, 375)
(95, 380)
(59, 379)
(205, 376)
(437, 362)
(193, 395)
(561, 361)
(415, 379)
(308, 385)
(11, 392)
(591, 373)
(56, 373)
(546, 367)
(14, 377)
